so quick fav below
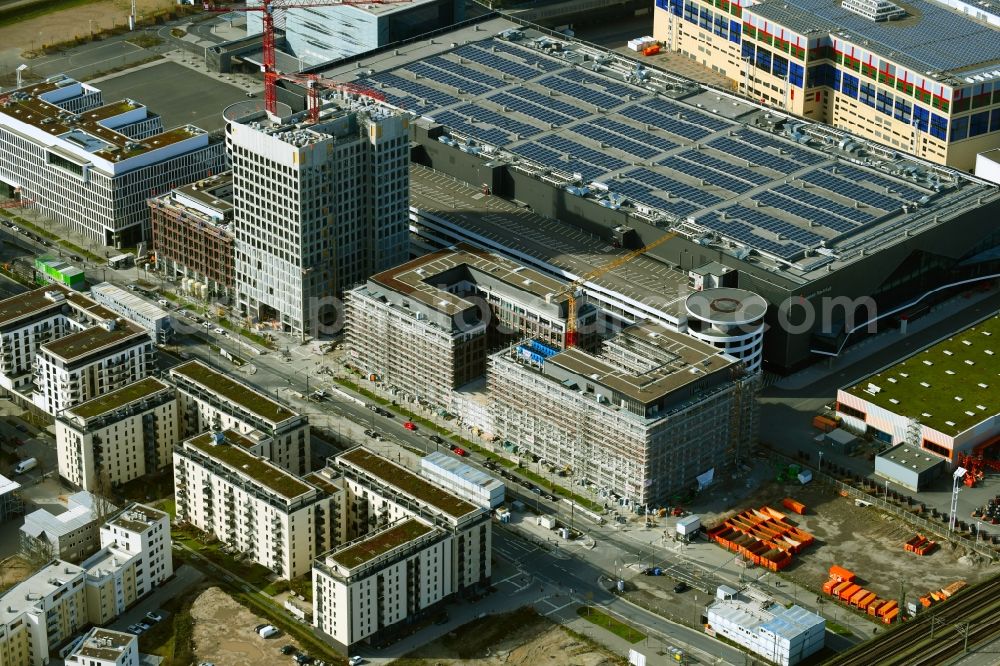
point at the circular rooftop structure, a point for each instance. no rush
(249, 107)
(726, 306)
(731, 320)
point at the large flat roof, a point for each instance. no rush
(950, 386)
(116, 399)
(90, 131)
(422, 279)
(562, 248)
(249, 399)
(931, 37)
(29, 303)
(104, 644)
(379, 543)
(44, 582)
(78, 345)
(411, 484)
(137, 517)
(233, 454)
(667, 361)
(713, 166)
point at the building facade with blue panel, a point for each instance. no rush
(926, 82)
(321, 34)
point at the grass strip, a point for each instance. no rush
(605, 621)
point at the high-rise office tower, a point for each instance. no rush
(319, 206)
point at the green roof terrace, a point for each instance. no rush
(233, 391)
(950, 386)
(232, 453)
(409, 483)
(368, 548)
(117, 399)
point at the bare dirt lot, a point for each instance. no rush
(224, 633)
(79, 21)
(521, 638)
(13, 570)
(863, 540)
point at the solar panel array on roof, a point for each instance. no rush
(934, 37)
(606, 127)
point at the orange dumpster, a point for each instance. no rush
(793, 505)
(651, 50)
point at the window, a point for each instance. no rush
(921, 117)
(850, 85)
(936, 448)
(780, 66)
(939, 126)
(883, 103)
(795, 74)
(903, 110)
(959, 128)
(866, 94)
(979, 123)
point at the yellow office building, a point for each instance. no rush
(922, 77)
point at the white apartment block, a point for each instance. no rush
(41, 613)
(318, 208)
(92, 165)
(278, 519)
(644, 417)
(409, 546)
(104, 647)
(428, 326)
(87, 364)
(134, 559)
(211, 400)
(120, 436)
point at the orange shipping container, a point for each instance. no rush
(824, 423)
(841, 574)
(863, 605)
(887, 607)
(651, 50)
(875, 605)
(829, 585)
(890, 616)
(848, 592)
(858, 596)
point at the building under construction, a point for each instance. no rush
(650, 414)
(427, 326)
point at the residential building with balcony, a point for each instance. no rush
(84, 365)
(41, 613)
(121, 436)
(409, 546)
(193, 234)
(211, 400)
(135, 558)
(276, 518)
(104, 647)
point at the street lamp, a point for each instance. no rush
(955, 478)
(820, 461)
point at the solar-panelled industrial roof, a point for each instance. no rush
(687, 161)
(932, 37)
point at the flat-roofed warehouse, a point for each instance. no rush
(802, 211)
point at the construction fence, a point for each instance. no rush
(932, 526)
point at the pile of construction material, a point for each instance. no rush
(843, 585)
(763, 536)
(793, 505)
(641, 43)
(942, 594)
(920, 545)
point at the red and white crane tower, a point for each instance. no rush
(311, 82)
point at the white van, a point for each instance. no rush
(268, 631)
(25, 465)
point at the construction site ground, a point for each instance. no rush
(78, 21)
(224, 633)
(520, 638)
(861, 539)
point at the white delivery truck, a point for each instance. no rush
(25, 465)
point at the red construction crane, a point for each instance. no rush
(313, 83)
(271, 74)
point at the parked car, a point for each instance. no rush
(410, 425)
(459, 451)
(549, 496)
(164, 302)
(437, 440)
(680, 587)
(303, 659)
(153, 617)
(76, 257)
(135, 629)
(206, 325)
(370, 433)
(355, 661)
(220, 331)
(145, 626)
(267, 631)
(287, 649)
